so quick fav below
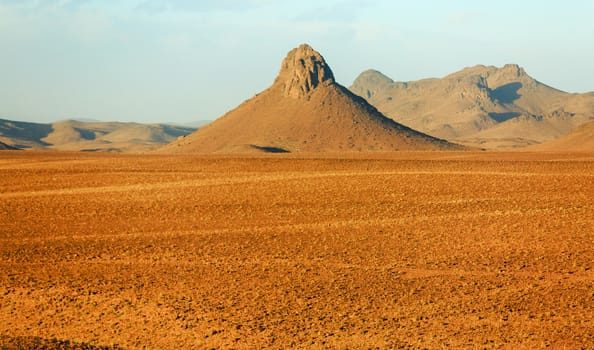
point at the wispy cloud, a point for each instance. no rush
(342, 11)
(158, 6)
(49, 5)
(463, 17)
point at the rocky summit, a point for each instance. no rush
(303, 70)
(305, 110)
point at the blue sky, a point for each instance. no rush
(187, 60)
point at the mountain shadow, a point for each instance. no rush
(270, 149)
(25, 131)
(502, 117)
(507, 93)
(86, 134)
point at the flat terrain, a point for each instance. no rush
(410, 250)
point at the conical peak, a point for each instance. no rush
(373, 77)
(375, 74)
(302, 71)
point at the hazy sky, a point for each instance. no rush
(186, 60)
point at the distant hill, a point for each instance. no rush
(195, 123)
(579, 139)
(5, 147)
(304, 110)
(71, 135)
(480, 106)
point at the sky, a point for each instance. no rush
(181, 61)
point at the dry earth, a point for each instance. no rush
(406, 250)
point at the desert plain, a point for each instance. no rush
(454, 249)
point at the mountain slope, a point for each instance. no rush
(479, 105)
(579, 139)
(24, 134)
(74, 135)
(5, 147)
(304, 110)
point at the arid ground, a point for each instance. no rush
(409, 250)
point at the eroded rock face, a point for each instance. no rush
(513, 71)
(305, 110)
(302, 71)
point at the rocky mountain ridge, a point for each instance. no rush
(482, 106)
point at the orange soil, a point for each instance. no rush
(412, 250)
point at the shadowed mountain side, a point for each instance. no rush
(24, 134)
(580, 139)
(5, 147)
(305, 110)
(507, 94)
(480, 103)
(72, 135)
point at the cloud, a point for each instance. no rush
(462, 18)
(46, 4)
(158, 6)
(9, 2)
(343, 11)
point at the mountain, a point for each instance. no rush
(580, 139)
(24, 134)
(304, 110)
(195, 123)
(5, 147)
(72, 135)
(481, 106)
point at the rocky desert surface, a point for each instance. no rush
(384, 250)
